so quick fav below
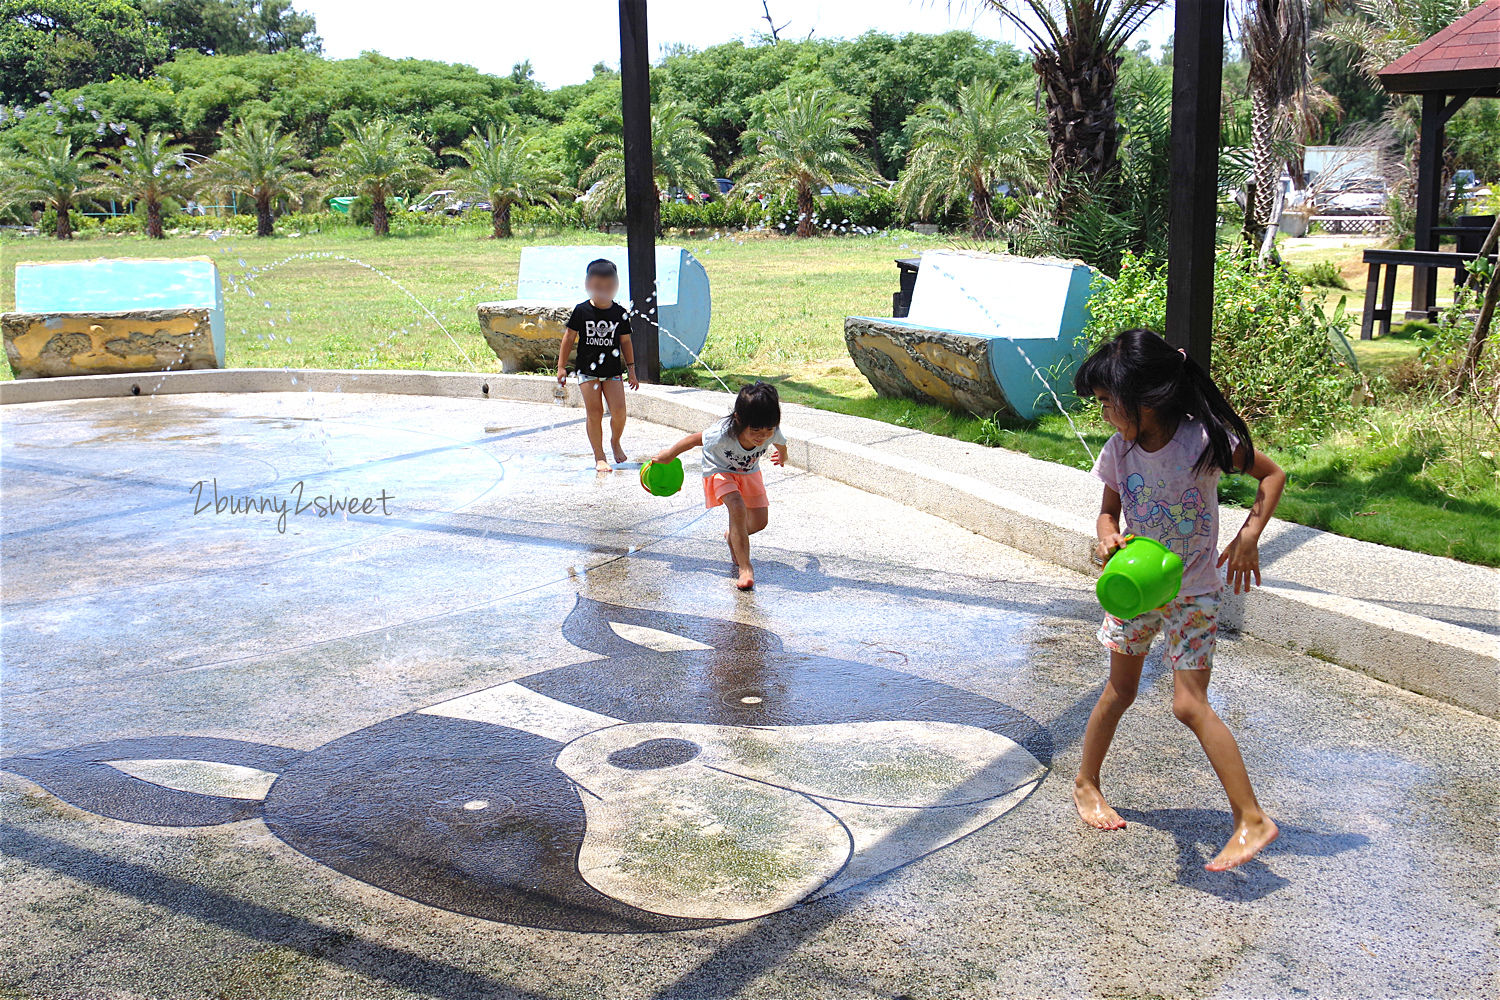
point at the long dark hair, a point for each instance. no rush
(1139, 370)
(757, 405)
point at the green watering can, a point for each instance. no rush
(662, 479)
(1141, 576)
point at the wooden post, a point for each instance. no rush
(1197, 83)
(1429, 196)
(640, 187)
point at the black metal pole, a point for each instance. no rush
(1197, 82)
(640, 187)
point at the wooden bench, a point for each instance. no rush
(1389, 264)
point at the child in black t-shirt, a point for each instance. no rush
(601, 330)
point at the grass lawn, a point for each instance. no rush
(778, 314)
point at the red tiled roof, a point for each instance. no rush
(1463, 56)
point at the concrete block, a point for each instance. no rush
(986, 333)
(102, 316)
(526, 332)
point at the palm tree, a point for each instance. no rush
(1374, 33)
(1275, 37)
(379, 159)
(806, 141)
(12, 198)
(1076, 54)
(679, 158)
(501, 167)
(255, 159)
(150, 169)
(966, 148)
(50, 170)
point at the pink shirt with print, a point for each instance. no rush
(1162, 497)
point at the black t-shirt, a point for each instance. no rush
(599, 332)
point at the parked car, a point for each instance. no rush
(448, 202)
(1466, 186)
(1366, 196)
(682, 197)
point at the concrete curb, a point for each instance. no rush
(1433, 658)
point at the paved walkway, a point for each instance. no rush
(514, 734)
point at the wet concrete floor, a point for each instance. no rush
(508, 730)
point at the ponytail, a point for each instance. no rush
(1139, 370)
(1202, 398)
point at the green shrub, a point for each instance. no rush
(311, 222)
(243, 224)
(835, 214)
(1322, 274)
(568, 215)
(81, 223)
(112, 225)
(724, 213)
(1273, 354)
(362, 211)
(1415, 329)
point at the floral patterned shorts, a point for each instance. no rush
(1191, 625)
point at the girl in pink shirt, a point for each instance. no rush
(1176, 435)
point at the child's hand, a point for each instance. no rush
(1108, 545)
(562, 376)
(1243, 556)
(778, 455)
(663, 457)
(634, 382)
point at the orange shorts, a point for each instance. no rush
(749, 485)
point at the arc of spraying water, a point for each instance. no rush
(375, 270)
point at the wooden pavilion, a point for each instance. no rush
(1454, 66)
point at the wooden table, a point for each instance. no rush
(1390, 262)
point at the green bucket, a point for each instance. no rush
(662, 479)
(1141, 576)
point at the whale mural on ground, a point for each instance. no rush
(697, 773)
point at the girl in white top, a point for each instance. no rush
(732, 450)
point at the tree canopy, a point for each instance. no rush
(53, 45)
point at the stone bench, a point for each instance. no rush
(526, 332)
(106, 316)
(983, 334)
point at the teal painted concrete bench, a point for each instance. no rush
(105, 316)
(986, 333)
(526, 332)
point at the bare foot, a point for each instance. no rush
(1249, 839)
(600, 465)
(1092, 808)
(746, 580)
(620, 455)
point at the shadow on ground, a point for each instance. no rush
(1198, 832)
